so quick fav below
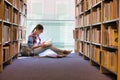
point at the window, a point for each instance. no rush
(57, 17)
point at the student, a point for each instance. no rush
(34, 41)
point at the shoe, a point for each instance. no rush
(66, 52)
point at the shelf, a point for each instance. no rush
(97, 44)
(110, 47)
(87, 26)
(81, 1)
(110, 21)
(7, 22)
(96, 24)
(6, 1)
(97, 4)
(99, 23)
(81, 13)
(7, 60)
(77, 4)
(10, 29)
(81, 52)
(14, 24)
(25, 3)
(109, 70)
(0, 20)
(86, 57)
(87, 10)
(6, 43)
(95, 62)
(15, 8)
(88, 42)
(82, 27)
(15, 40)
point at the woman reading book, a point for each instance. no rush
(34, 41)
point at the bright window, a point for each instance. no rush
(57, 17)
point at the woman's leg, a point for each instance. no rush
(60, 51)
(55, 49)
(50, 46)
(39, 50)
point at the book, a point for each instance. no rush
(48, 42)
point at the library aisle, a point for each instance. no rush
(72, 67)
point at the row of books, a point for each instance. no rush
(109, 60)
(14, 49)
(23, 7)
(20, 34)
(86, 49)
(78, 34)
(6, 33)
(77, 11)
(15, 16)
(22, 20)
(77, 1)
(84, 5)
(96, 15)
(85, 20)
(24, 35)
(111, 10)
(77, 46)
(87, 4)
(0, 32)
(7, 13)
(15, 3)
(106, 58)
(80, 21)
(15, 33)
(95, 1)
(110, 35)
(96, 35)
(95, 54)
(6, 53)
(82, 34)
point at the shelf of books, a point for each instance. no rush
(97, 33)
(11, 29)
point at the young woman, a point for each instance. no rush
(34, 41)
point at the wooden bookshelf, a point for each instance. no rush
(12, 29)
(119, 46)
(97, 33)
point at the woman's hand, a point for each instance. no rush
(43, 44)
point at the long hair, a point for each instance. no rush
(38, 27)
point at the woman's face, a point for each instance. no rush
(38, 31)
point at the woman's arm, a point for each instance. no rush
(31, 43)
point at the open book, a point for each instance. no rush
(48, 42)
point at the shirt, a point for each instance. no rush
(34, 40)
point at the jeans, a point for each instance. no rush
(49, 46)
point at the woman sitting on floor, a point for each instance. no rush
(34, 41)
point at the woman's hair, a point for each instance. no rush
(38, 27)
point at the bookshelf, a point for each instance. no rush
(97, 33)
(12, 29)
